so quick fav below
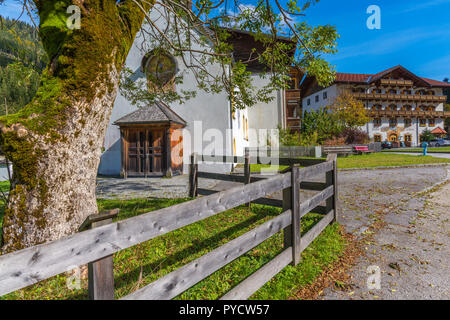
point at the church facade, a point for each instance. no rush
(158, 139)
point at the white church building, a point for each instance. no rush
(158, 139)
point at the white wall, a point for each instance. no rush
(265, 116)
(332, 93)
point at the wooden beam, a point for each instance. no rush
(250, 285)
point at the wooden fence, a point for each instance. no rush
(97, 244)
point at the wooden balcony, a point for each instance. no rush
(409, 114)
(293, 94)
(398, 83)
(399, 97)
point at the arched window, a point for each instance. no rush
(406, 108)
(376, 107)
(392, 107)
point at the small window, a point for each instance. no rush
(317, 98)
(377, 138)
(393, 122)
(431, 122)
(393, 91)
(423, 122)
(308, 102)
(325, 96)
(408, 122)
(377, 122)
(408, 138)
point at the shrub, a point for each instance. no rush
(354, 136)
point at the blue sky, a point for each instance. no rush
(414, 33)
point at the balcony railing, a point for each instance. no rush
(411, 113)
(399, 97)
(388, 82)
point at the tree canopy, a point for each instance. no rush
(22, 60)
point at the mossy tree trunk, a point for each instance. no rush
(55, 141)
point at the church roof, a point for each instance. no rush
(158, 112)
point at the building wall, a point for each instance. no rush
(265, 116)
(331, 92)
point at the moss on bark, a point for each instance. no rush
(81, 63)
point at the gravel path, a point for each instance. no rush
(409, 235)
(131, 188)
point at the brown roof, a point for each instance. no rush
(368, 78)
(352, 77)
(158, 112)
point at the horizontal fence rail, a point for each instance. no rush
(29, 266)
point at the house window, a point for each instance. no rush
(377, 122)
(392, 107)
(406, 92)
(317, 98)
(393, 122)
(393, 91)
(407, 123)
(377, 138)
(308, 102)
(406, 108)
(408, 138)
(325, 96)
(377, 91)
(377, 107)
(431, 122)
(423, 122)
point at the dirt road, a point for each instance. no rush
(405, 235)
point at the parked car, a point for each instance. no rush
(386, 145)
(439, 143)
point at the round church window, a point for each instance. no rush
(160, 67)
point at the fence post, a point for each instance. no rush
(287, 205)
(331, 179)
(100, 272)
(295, 209)
(247, 169)
(291, 201)
(193, 176)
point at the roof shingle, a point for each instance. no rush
(157, 112)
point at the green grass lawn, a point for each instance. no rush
(155, 258)
(368, 161)
(438, 150)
